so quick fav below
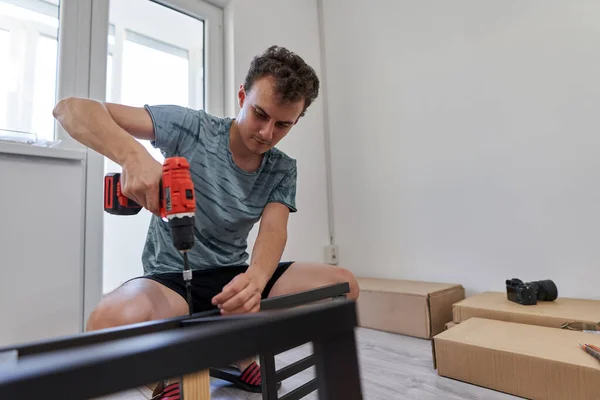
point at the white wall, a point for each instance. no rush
(258, 24)
(41, 242)
(464, 140)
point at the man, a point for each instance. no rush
(240, 177)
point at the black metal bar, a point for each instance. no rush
(295, 368)
(335, 291)
(267, 374)
(337, 367)
(121, 332)
(302, 391)
(100, 336)
(100, 369)
(305, 297)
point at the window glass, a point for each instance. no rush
(44, 88)
(155, 56)
(28, 49)
(5, 72)
(154, 72)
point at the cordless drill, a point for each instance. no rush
(177, 205)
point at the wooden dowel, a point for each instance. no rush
(196, 386)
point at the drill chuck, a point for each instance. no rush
(182, 230)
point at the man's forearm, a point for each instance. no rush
(90, 123)
(267, 253)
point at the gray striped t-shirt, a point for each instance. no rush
(229, 201)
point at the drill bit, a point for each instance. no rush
(187, 277)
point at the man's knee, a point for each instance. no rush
(353, 282)
(110, 313)
(345, 275)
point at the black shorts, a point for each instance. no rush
(206, 284)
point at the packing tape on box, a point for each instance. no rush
(582, 327)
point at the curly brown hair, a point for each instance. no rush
(295, 80)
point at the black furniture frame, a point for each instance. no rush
(93, 364)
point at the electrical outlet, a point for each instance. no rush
(331, 254)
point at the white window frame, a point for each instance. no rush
(214, 47)
(73, 77)
(126, 25)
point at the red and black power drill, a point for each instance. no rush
(177, 205)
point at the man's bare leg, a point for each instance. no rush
(301, 276)
(135, 301)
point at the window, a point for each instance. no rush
(28, 80)
(127, 51)
(5, 72)
(155, 55)
(165, 66)
(157, 59)
(33, 78)
(44, 89)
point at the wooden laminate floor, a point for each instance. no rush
(392, 367)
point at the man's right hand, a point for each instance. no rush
(111, 130)
(140, 180)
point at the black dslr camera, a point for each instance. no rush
(529, 293)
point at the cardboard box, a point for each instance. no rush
(530, 361)
(449, 325)
(495, 305)
(406, 307)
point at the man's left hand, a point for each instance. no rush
(242, 295)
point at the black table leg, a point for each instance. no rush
(338, 375)
(269, 379)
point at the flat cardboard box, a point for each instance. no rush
(529, 361)
(495, 305)
(412, 308)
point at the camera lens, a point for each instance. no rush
(546, 290)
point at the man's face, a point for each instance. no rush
(263, 121)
